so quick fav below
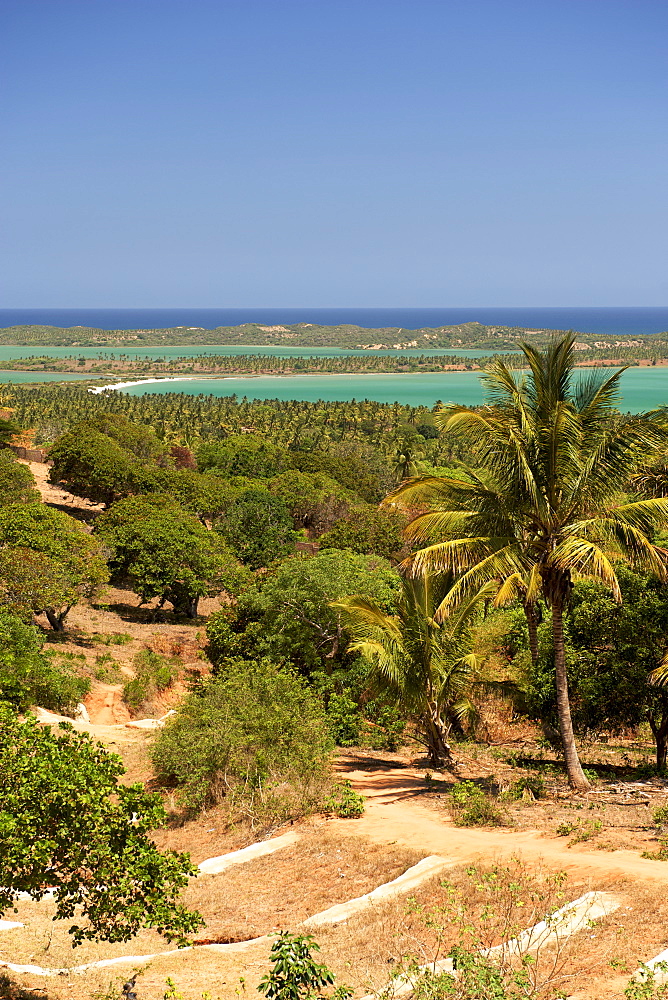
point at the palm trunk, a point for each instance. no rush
(576, 778)
(438, 748)
(532, 624)
(660, 733)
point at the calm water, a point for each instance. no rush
(642, 388)
(39, 377)
(632, 320)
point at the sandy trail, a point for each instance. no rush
(394, 814)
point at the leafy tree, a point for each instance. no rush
(544, 506)
(63, 564)
(315, 500)
(138, 439)
(67, 823)
(288, 613)
(27, 676)
(367, 530)
(243, 455)
(258, 528)
(254, 736)
(165, 552)
(95, 466)
(427, 665)
(357, 469)
(17, 483)
(7, 430)
(612, 651)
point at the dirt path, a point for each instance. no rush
(55, 495)
(395, 815)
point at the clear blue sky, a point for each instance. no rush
(334, 152)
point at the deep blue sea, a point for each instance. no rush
(630, 320)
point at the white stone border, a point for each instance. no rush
(559, 926)
(335, 914)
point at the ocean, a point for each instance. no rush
(610, 320)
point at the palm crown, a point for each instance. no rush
(428, 665)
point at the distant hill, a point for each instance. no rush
(465, 335)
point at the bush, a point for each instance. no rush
(471, 806)
(153, 673)
(254, 738)
(28, 677)
(344, 801)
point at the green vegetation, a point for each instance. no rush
(344, 801)
(30, 677)
(254, 738)
(472, 806)
(544, 506)
(48, 561)
(294, 973)
(153, 673)
(67, 822)
(428, 666)
(165, 552)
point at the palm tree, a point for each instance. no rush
(544, 506)
(427, 665)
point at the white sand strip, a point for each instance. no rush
(559, 926)
(9, 925)
(214, 866)
(411, 878)
(96, 390)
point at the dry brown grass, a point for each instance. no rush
(364, 951)
(281, 890)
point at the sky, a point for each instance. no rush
(164, 153)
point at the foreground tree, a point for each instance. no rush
(67, 823)
(544, 503)
(428, 666)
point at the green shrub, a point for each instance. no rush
(344, 801)
(254, 738)
(153, 673)
(470, 805)
(30, 677)
(660, 817)
(294, 975)
(110, 638)
(529, 788)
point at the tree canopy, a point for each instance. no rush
(165, 552)
(65, 565)
(67, 823)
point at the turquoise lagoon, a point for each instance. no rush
(642, 388)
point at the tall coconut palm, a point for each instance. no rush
(544, 506)
(427, 665)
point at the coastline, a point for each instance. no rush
(221, 378)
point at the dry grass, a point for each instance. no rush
(248, 900)
(281, 890)
(363, 952)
